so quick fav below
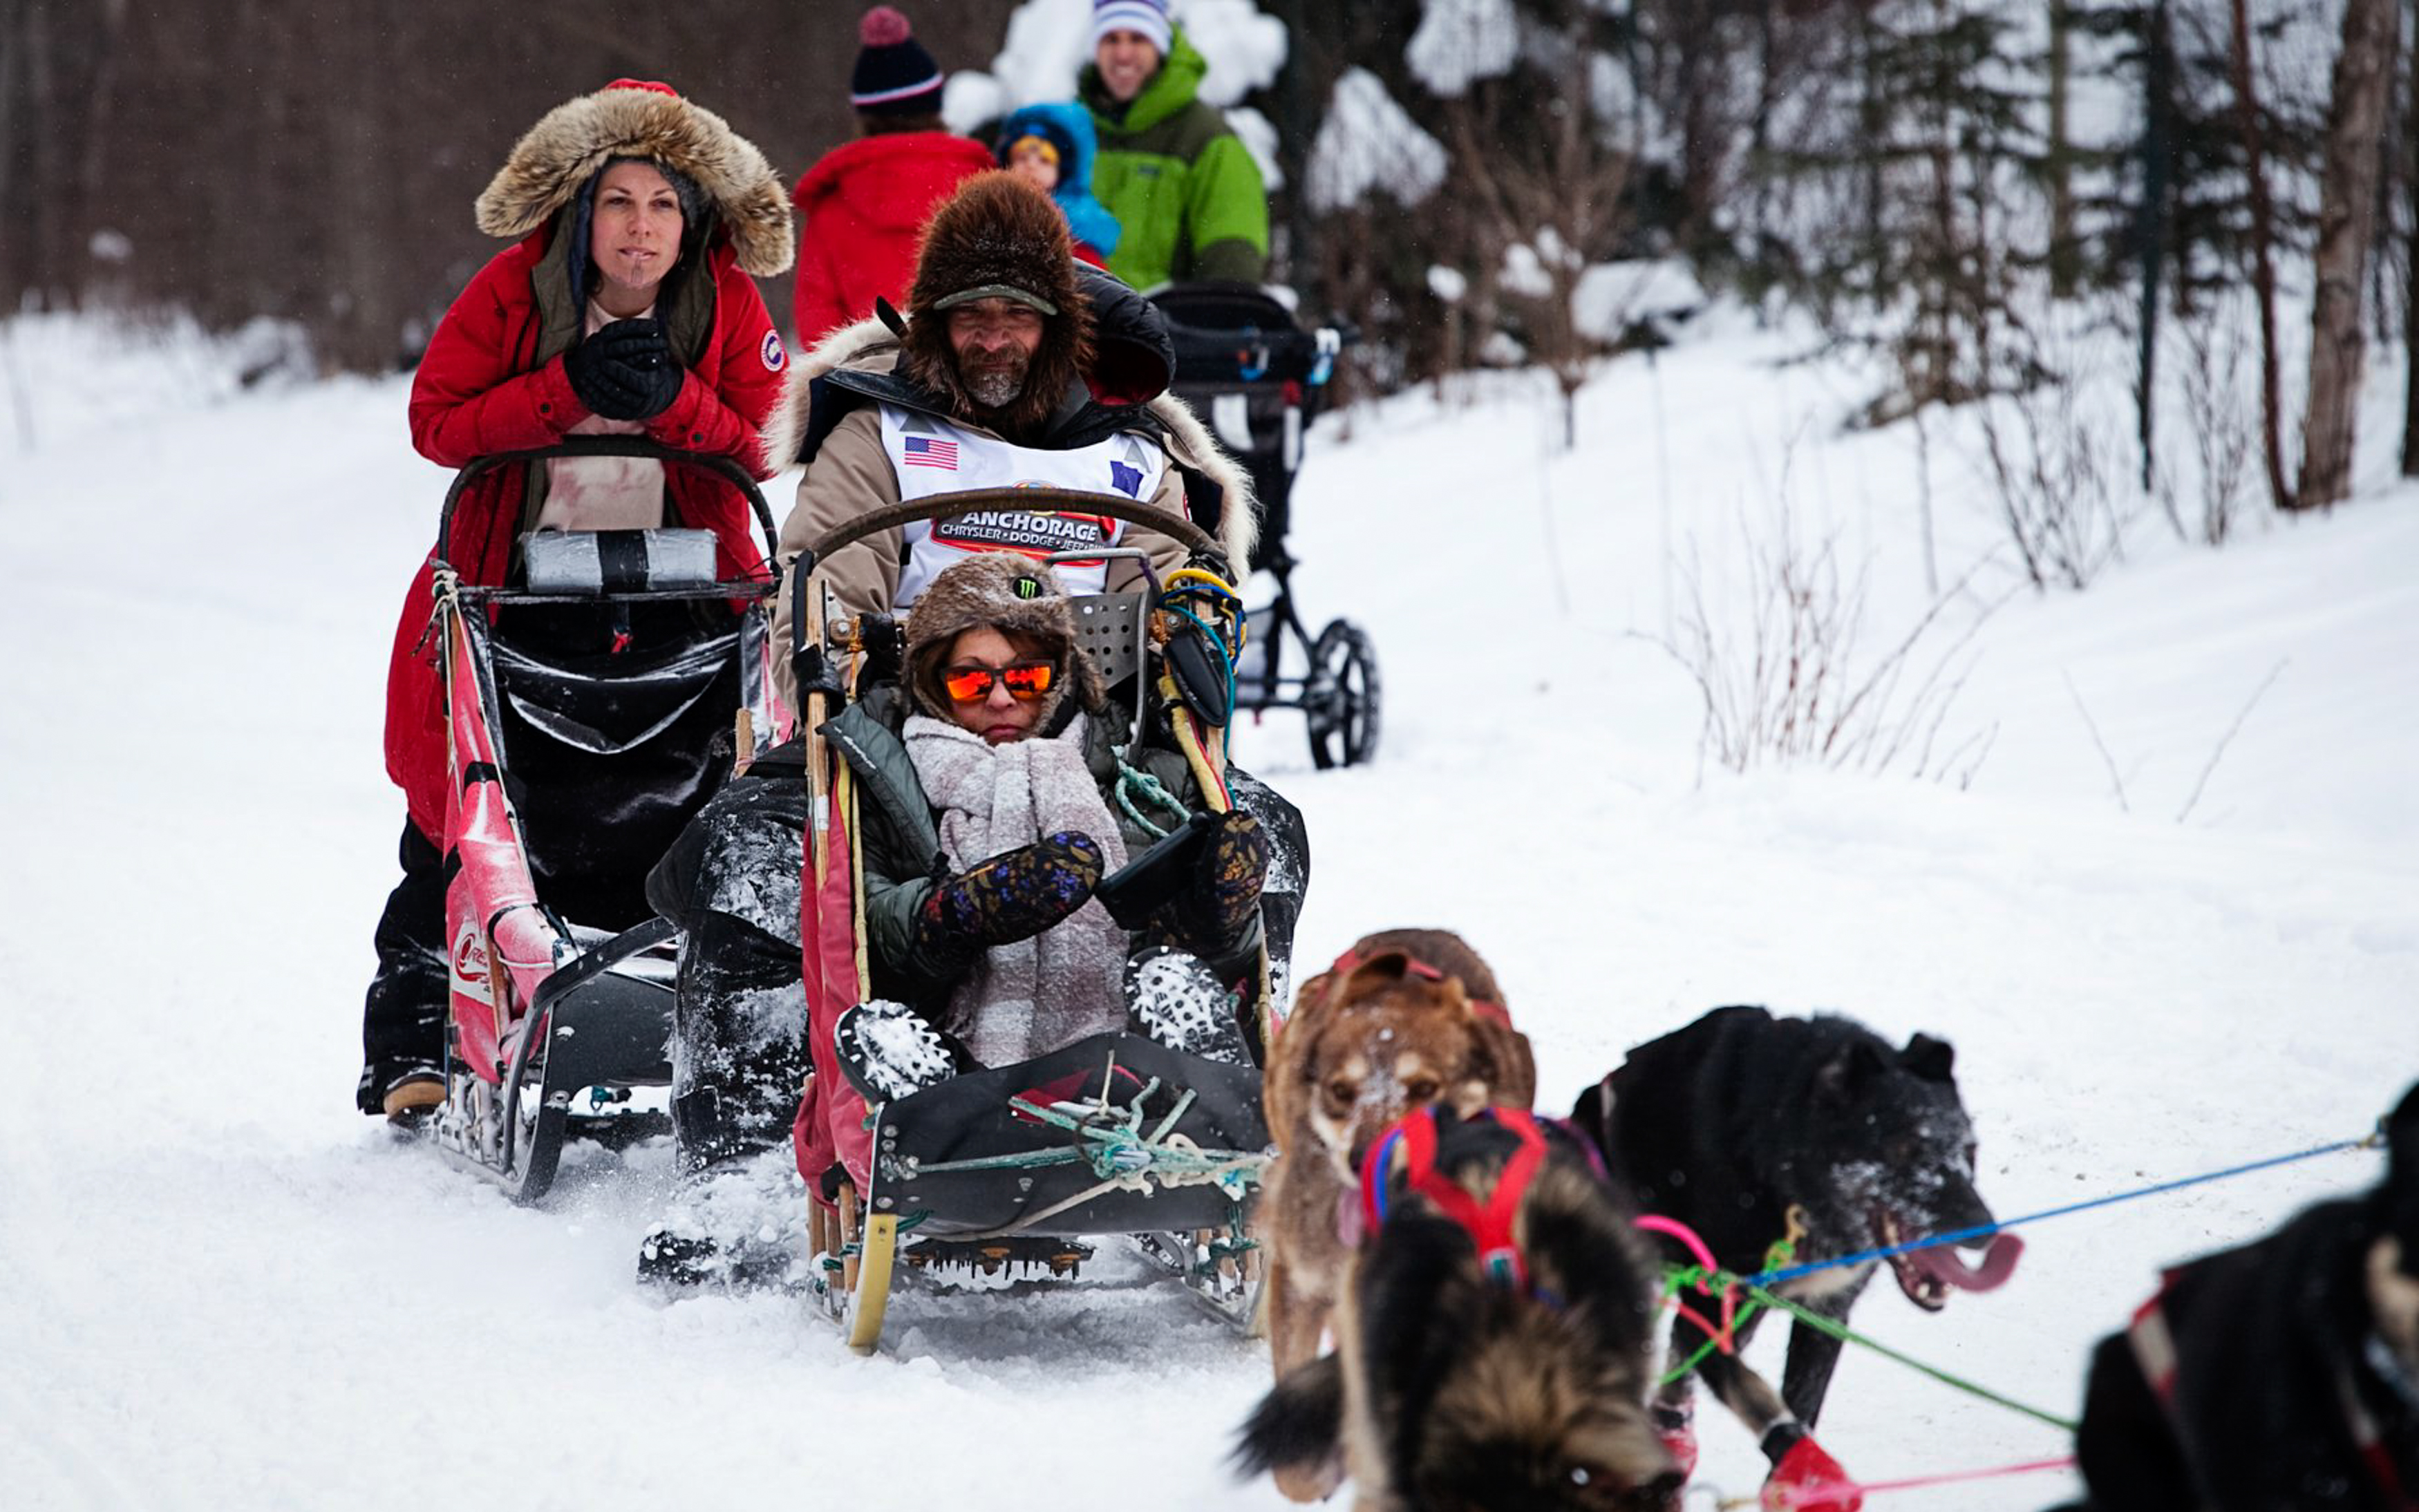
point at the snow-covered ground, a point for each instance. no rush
(219, 1285)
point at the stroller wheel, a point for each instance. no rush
(1340, 697)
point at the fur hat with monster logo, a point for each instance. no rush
(999, 237)
(572, 142)
(1016, 596)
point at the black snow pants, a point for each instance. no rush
(403, 1018)
(739, 1022)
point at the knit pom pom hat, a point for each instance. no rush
(894, 75)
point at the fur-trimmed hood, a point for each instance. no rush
(871, 346)
(629, 118)
(1014, 595)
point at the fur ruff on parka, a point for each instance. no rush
(558, 156)
(998, 229)
(870, 346)
(983, 590)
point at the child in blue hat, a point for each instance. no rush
(1052, 147)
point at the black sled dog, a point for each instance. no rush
(2281, 1376)
(1752, 1129)
(1495, 1337)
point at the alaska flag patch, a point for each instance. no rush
(1126, 479)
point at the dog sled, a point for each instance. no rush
(1257, 379)
(1009, 1171)
(570, 772)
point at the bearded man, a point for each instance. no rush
(1014, 365)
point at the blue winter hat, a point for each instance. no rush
(1148, 17)
(894, 75)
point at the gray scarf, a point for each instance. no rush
(1034, 995)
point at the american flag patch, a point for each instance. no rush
(927, 451)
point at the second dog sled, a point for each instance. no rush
(570, 770)
(1257, 378)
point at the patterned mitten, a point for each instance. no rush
(1011, 897)
(1216, 911)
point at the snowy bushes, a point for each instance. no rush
(1779, 668)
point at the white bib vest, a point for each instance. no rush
(933, 457)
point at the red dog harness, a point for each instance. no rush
(1489, 1225)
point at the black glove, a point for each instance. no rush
(1008, 897)
(1215, 912)
(625, 371)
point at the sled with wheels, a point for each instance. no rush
(1257, 379)
(1019, 1170)
(593, 704)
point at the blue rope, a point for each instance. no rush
(1774, 1278)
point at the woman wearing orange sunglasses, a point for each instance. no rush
(982, 919)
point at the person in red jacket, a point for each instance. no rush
(625, 307)
(864, 204)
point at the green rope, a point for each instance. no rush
(1138, 781)
(1680, 1277)
(1120, 1149)
(1848, 1335)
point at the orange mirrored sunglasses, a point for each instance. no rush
(1024, 682)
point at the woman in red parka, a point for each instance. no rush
(863, 205)
(624, 308)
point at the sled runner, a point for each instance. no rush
(1010, 1168)
(1257, 378)
(571, 769)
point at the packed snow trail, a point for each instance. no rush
(223, 1286)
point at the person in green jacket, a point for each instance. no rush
(1180, 182)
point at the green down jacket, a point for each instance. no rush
(899, 838)
(1186, 193)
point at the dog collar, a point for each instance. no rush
(1489, 1223)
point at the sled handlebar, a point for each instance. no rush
(1025, 501)
(806, 653)
(638, 446)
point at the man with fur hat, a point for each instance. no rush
(984, 827)
(1013, 366)
(626, 307)
(863, 205)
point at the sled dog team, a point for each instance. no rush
(1491, 1278)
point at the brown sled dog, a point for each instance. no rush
(1406, 1019)
(1495, 1342)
